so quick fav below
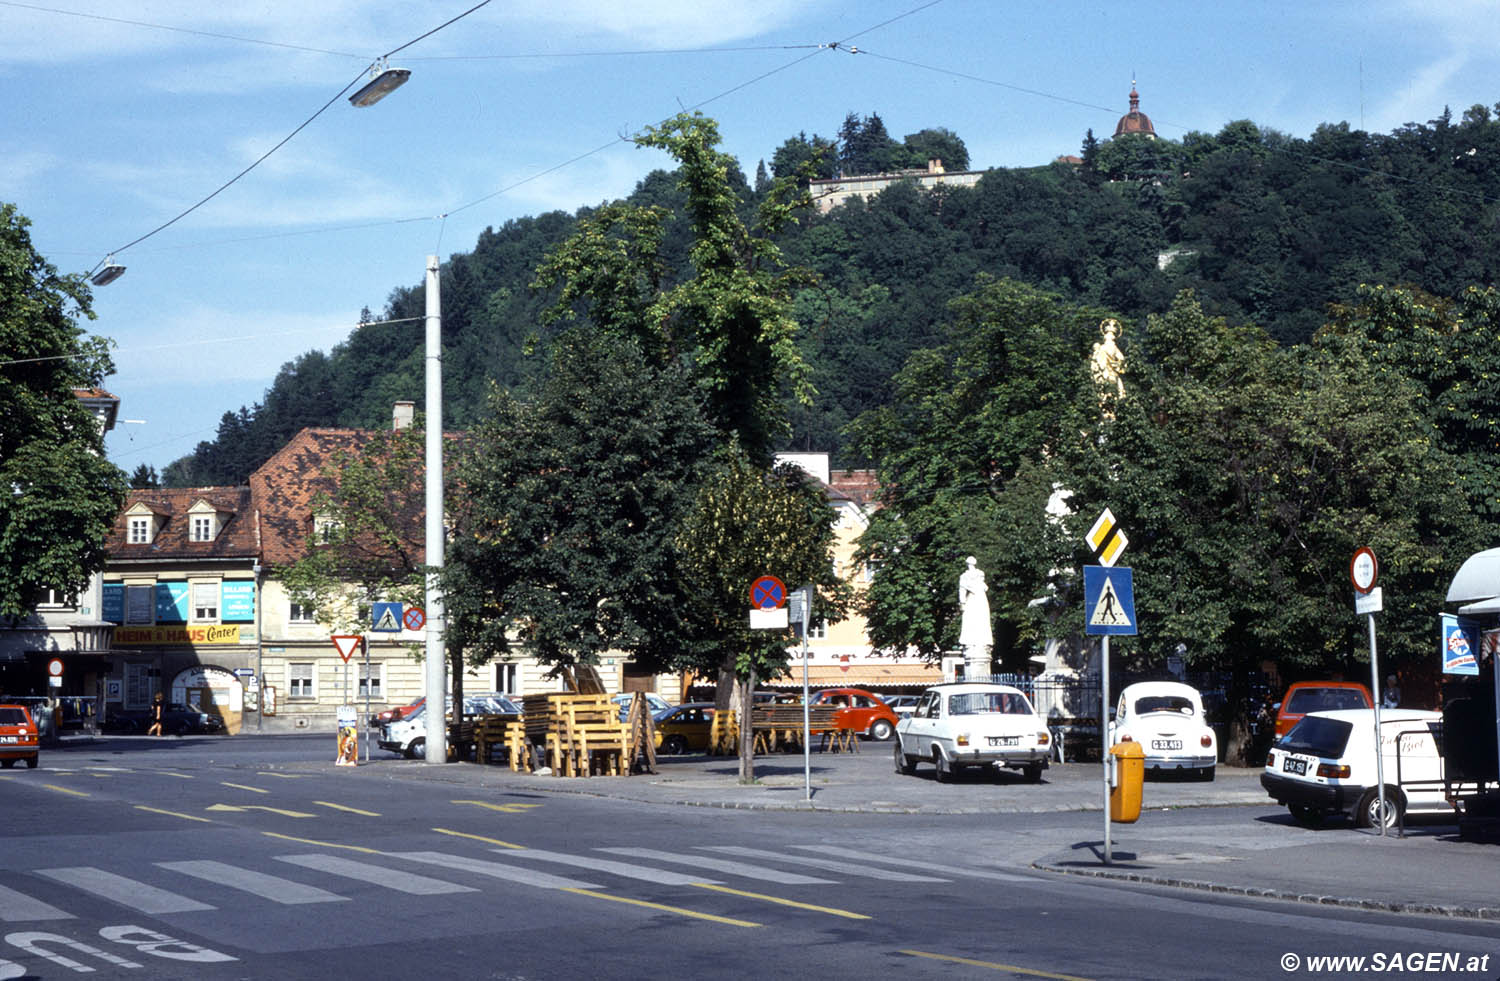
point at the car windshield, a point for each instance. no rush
(1317, 736)
(1306, 700)
(987, 703)
(1176, 704)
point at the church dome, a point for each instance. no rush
(1135, 121)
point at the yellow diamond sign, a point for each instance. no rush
(1106, 539)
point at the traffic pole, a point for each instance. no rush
(1104, 738)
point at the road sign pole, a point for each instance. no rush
(1379, 747)
(1104, 737)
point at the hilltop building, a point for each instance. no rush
(1135, 121)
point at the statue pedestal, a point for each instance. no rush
(978, 665)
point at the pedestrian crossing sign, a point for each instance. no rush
(385, 617)
(1108, 601)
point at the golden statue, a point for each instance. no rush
(1108, 364)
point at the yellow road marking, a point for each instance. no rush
(64, 790)
(664, 908)
(784, 902)
(492, 841)
(507, 808)
(351, 810)
(992, 965)
(185, 817)
(257, 807)
(240, 786)
(323, 844)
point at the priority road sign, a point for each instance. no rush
(385, 617)
(1108, 601)
(1107, 539)
(767, 593)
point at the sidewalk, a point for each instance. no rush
(1255, 851)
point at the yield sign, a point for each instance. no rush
(346, 645)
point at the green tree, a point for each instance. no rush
(61, 495)
(803, 158)
(866, 148)
(565, 546)
(747, 522)
(144, 477)
(936, 143)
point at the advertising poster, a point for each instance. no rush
(348, 736)
(1459, 638)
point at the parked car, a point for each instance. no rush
(1319, 696)
(654, 702)
(862, 711)
(1166, 719)
(396, 712)
(176, 720)
(902, 705)
(40, 709)
(1326, 766)
(973, 724)
(684, 728)
(19, 738)
(407, 735)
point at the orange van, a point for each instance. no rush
(18, 736)
(1319, 696)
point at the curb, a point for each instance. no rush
(1254, 892)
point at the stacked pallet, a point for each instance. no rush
(580, 734)
(492, 732)
(779, 727)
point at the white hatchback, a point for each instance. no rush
(1165, 718)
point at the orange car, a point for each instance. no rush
(859, 710)
(1319, 696)
(18, 736)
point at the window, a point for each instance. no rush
(326, 529)
(818, 629)
(205, 601)
(140, 530)
(56, 599)
(300, 613)
(140, 604)
(299, 680)
(369, 685)
(203, 528)
(507, 678)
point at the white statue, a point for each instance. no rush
(1108, 365)
(974, 630)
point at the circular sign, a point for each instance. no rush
(415, 618)
(767, 593)
(1364, 570)
(54, 668)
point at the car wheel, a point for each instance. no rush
(417, 748)
(944, 768)
(1308, 817)
(674, 745)
(1367, 814)
(881, 730)
(905, 765)
(31, 762)
(1032, 773)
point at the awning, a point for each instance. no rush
(861, 675)
(1477, 579)
(1491, 605)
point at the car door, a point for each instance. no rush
(918, 740)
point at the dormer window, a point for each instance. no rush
(204, 521)
(140, 529)
(203, 528)
(326, 529)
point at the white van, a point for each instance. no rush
(1326, 765)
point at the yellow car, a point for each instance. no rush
(685, 728)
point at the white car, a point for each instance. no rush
(1326, 765)
(407, 735)
(1165, 718)
(973, 724)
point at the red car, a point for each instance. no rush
(1319, 696)
(859, 710)
(18, 736)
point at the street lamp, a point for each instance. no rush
(383, 81)
(110, 272)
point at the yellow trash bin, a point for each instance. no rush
(1130, 775)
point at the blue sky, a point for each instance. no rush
(118, 116)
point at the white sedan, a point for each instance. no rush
(972, 725)
(1165, 718)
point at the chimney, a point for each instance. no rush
(403, 414)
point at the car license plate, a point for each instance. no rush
(10, 739)
(1005, 740)
(1291, 765)
(1166, 744)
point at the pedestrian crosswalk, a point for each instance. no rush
(188, 886)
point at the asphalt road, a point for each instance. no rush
(217, 858)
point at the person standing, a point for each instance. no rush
(158, 712)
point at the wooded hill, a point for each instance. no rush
(1266, 228)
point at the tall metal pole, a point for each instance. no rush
(1104, 738)
(1379, 746)
(806, 724)
(436, 672)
